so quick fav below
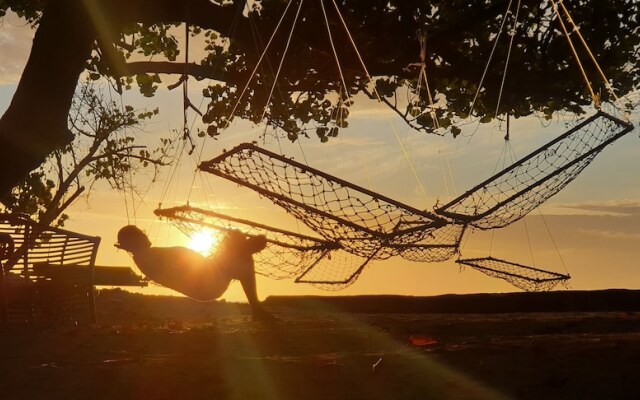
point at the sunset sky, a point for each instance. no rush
(595, 221)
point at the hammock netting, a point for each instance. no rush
(365, 223)
(337, 271)
(439, 245)
(287, 255)
(359, 225)
(514, 192)
(521, 276)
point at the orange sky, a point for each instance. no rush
(595, 221)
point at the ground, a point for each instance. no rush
(173, 348)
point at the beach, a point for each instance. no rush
(174, 348)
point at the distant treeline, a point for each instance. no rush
(489, 303)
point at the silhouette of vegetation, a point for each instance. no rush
(138, 42)
(106, 148)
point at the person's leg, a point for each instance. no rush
(237, 256)
(247, 278)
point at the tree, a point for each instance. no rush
(104, 149)
(102, 36)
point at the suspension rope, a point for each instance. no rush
(278, 71)
(255, 69)
(423, 74)
(453, 182)
(464, 240)
(594, 97)
(553, 240)
(551, 237)
(284, 55)
(375, 91)
(411, 166)
(179, 150)
(82, 100)
(512, 33)
(130, 174)
(185, 99)
(268, 68)
(576, 29)
(526, 228)
(444, 174)
(493, 234)
(493, 49)
(353, 43)
(333, 48)
(185, 77)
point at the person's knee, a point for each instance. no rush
(256, 243)
(240, 244)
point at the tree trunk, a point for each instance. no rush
(35, 123)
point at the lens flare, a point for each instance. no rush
(204, 242)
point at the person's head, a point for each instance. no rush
(131, 238)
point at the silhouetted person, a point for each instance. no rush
(190, 273)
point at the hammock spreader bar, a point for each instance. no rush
(517, 190)
(521, 276)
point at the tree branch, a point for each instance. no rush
(200, 72)
(142, 158)
(197, 71)
(71, 199)
(396, 110)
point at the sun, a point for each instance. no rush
(204, 242)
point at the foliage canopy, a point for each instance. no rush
(139, 42)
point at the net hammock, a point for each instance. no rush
(439, 245)
(365, 223)
(288, 254)
(515, 191)
(529, 279)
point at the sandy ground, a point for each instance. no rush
(171, 348)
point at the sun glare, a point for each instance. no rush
(204, 242)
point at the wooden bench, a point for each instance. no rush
(102, 275)
(47, 273)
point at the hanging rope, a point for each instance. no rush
(333, 48)
(255, 69)
(512, 33)
(422, 77)
(284, 55)
(576, 29)
(493, 49)
(185, 134)
(204, 183)
(553, 240)
(594, 96)
(375, 91)
(501, 163)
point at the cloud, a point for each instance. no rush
(608, 234)
(610, 231)
(612, 208)
(15, 44)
